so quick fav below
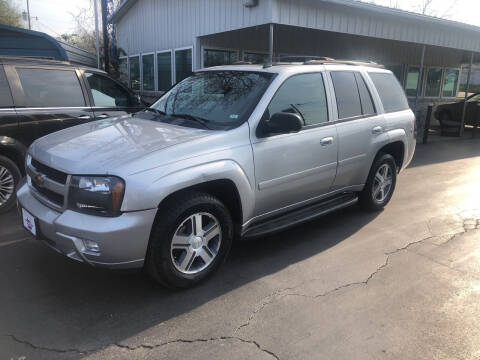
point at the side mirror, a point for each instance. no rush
(284, 123)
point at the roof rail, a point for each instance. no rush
(303, 59)
(320, 60)
(344, 62)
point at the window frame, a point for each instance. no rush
(330, 114)
(18, 94)
(425, 77)
(172, 69)
(216, 48)
(174, 63)
(130, 72)
(154, 70)
(443, 82)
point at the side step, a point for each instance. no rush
(299, 216)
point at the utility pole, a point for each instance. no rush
(105, 35)
(97, 45)
(28, 15)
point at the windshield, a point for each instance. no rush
(219, 99)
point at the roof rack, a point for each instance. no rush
(320, 60)
(34, 59)
(344, 62)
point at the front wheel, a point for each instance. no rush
(9, 178)
(190, 239)
(380, 183)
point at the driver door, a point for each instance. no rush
(295, 167)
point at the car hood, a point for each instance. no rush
(102, 146)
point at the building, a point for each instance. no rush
(165, 40)
(22, 42)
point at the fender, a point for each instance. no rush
(168, 184)
(14, 150)
(400, 135)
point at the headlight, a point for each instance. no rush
(96, 195)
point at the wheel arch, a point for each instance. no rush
(397, 149)
(13, 150)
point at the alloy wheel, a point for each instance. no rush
(7, 185)
(195, 243)
(382, 183)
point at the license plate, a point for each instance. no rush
(29, 222)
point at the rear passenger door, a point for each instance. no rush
(47, 99)
(108, 97)
(360, 128)
(8, 116)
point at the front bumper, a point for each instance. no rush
(122, 240)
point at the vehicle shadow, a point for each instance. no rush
(61, 304)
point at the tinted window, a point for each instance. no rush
(148, 72)
(390, 92)
(183, 64)
(304, 95)
(346, 93)
(51, 88)
(123, 70)
(164, 64)
(450, 84)
(135, 73)
(106, 92)
(434, 81)
(365, 97)
(5, 95)
(219, 57)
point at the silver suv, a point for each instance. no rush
(230, 152)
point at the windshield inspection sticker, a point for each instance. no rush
(233, 116)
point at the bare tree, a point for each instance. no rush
(9, 14)
(425, 7)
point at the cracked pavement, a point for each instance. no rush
(400, 284)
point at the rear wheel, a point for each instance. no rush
(380, 183)
(191, 237)
(9, 178)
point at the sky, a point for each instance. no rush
(54, 16)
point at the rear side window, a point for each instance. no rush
(51, 88)
(365, 97)
(390, 92)
(302, 94)
(346, 93)
(5, 95)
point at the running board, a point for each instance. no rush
(299, 216)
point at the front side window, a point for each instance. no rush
(434, 81)
(411, 85)
(135, 73)
(164, 65)
(346, 93)
(148, 72)
(106, 92)
(219, 57)
(390, 92)
(213, 99)
(183, 64)
(450, 84)
(304, 95)
(51, 88)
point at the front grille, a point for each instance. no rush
(51, 196)
(55, 175)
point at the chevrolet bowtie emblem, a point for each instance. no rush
(39, 179)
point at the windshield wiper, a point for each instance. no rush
(198, 119)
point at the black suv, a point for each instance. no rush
(38, 97)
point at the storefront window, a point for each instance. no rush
(219, 57)
(148, 72)
(397, 70)
(164, 64)
(183, 64)
(434, 82)
(135, 72)
(123, 70)
(255, 58)
(411, 85)
(450, 84)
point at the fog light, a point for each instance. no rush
(91, 246)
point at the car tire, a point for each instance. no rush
(9, 177)
(184, 246)
(377, 192)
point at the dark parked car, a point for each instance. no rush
(38, 97)
(450, 115)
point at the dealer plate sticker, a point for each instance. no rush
(29, 222)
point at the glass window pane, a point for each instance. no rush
(304, 95)
(390, 92)
(123, 71)
(51, 88)
(365, 97)
(148, 74)
(106, 92)
(255, 58)
(397, 70)
(135, 73)
(5, 95)
(434, 81)
(164, 64)
(450, 83)
(183, 64)
(412, 81)
(346, 93)
(219, 57)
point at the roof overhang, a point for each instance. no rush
(121, 10)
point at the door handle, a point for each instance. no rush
(84, 117)
(377, 130)
(326, 141)
(102, 116)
